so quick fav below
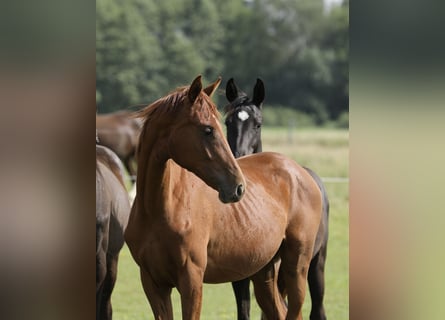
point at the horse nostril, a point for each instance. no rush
(239, 190)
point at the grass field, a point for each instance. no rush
(327, 152)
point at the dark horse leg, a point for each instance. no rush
(101, 268)
(316, 284)
(242, 295)
(100, 277)
(108, 285)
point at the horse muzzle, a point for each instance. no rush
(232, 196)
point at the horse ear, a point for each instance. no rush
(231, 90)
(195, 89)
(210, 89)
(258, 93)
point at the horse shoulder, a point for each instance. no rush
(190, 204)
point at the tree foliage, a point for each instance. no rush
(146, 48)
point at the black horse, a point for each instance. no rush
(243, 121)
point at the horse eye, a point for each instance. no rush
(208, 131)
(258, 125)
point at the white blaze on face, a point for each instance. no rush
(243, 115)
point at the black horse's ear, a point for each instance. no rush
(231, 90)
(258, 93)
(211, 88)
(195, 89)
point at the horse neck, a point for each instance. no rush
(153, 171)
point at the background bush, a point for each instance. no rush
(144, 49)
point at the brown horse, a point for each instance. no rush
(189, 225)
(120, 131)
(112, 211)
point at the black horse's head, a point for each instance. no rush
(244, 119)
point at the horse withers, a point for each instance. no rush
(112, 211)
(201, 216)
(243, 122)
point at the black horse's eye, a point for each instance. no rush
(258, 125)
(208, 131)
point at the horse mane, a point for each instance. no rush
(168, 105)
(163, 106)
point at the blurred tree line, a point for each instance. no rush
(144, 49)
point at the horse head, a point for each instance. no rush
(194, 139)
(244, 119)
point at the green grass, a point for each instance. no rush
(327, 152)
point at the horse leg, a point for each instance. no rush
(101, 271)
(316, 284)
(296, 257)
(242, 295)
(158, 297)
(267, 293)
(190, 287)
(108, 285)
(98, 302)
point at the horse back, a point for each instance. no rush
(112, 162)
(279, 193)
(288, 183)
(119, 131)
(112, 202)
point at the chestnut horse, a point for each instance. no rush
(120, 131)
(243, 121)
(112, 211)
(201, 216)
